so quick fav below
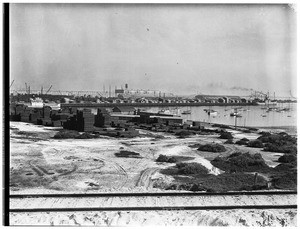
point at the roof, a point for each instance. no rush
(218, 96)
(166, 117)
(125, 108)
(122, 115)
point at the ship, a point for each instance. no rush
(211, 112)
(235, 114)
(36, 103)
(186, 112)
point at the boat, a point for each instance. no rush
(272, 102)
(186, 112)
(36, 103)
(235, 114)
(272, 109)
(283, 110)
(261, 103)
(212, 112)
(163, 111)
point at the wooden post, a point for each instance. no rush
(255, 179)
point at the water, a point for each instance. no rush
(253, 116)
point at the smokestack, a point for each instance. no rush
(109, 91)
(126, 86)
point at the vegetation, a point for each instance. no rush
(221, 183)
(191, 168)
(282, 142)
(216, 148)
(226, 135)
(286, 167)
(73, 134)
(172, 159)
(86, 135)
(126, 153)
(275, 147)
(255, 144)
(286, 180)
(66, 134)
(241, 162)
(164, 158)
(288, 158)
(241, 142)
(184, 133)
(229, 141)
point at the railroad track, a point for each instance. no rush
(170, 201)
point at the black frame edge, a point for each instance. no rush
(5, 113)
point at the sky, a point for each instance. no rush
(180, 48)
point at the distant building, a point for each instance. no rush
(219, 99)
(119, 91)
(124, 110)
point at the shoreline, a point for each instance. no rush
(95, 105)
(288, 129)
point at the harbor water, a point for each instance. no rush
(251, 116)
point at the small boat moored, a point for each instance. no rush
(186, 112)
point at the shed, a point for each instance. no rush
(124, 109)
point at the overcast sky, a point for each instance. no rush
(184, 49)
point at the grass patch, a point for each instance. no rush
(215, 148)
(241, 142)
(221, 183)
(255, 144)
(66, 134)
(288, 158)
(241, 162)
(184, 133)
(86, 135)
(172, 159)
(229, 141)
(286, 180)
(226, 135)
(282, 142)
(126, 153)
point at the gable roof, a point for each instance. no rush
(124, 109)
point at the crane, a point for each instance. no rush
(48, 89)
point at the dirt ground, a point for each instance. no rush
(252, 218)
(41, 164)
